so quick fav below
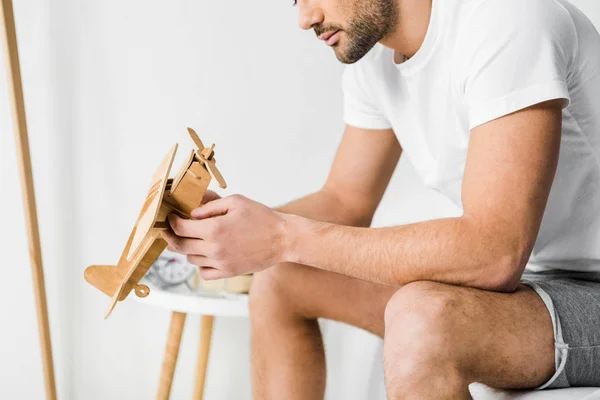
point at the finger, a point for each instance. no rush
(184, 245)
(211, 209)
(189, 228)
(199, 260)
(209, 196)
(209, 274)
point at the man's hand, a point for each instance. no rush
(229, 236)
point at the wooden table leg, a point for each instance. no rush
(203, 352)
(171, 353)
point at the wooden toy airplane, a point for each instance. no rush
(179, 195)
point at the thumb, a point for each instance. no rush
(211, 209)
(210, 196)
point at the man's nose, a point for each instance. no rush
(308, 15)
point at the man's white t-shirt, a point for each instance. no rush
(480, 60)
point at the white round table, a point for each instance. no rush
(182, 300)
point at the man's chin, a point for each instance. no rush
(344, 59)
(346, 56)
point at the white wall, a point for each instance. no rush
(109, 87)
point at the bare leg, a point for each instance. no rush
(440, 338)
(287, 349)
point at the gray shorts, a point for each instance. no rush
(573, 300)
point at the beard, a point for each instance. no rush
(371, 21)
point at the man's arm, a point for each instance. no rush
(509, 171)
(235, 235)
(361, 171)
(508, 175)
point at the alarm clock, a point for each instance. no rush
(170, 269)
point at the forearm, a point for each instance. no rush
(327, 207)
(451, 250)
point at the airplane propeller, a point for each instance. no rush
(206, 156)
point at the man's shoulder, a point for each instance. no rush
(509, 12)
(513, 24)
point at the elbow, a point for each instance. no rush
(506, 272)
(350, 212)
(360, 217)
(363, 220)
(500, 253)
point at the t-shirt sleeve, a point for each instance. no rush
(359, 108)
(514, 54)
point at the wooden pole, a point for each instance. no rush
(171, 354)
(206, 327)
(24, 160)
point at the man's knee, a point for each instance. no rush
(419, 331)
(273, 295)
(266, 292)
(421, 306)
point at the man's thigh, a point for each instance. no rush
(504, 340)
(514, 334)
(313, 293)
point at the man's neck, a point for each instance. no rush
(411, 27)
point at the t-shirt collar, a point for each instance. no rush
(414, 63)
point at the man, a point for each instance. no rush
(497, 104)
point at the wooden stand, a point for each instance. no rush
(24, 160)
